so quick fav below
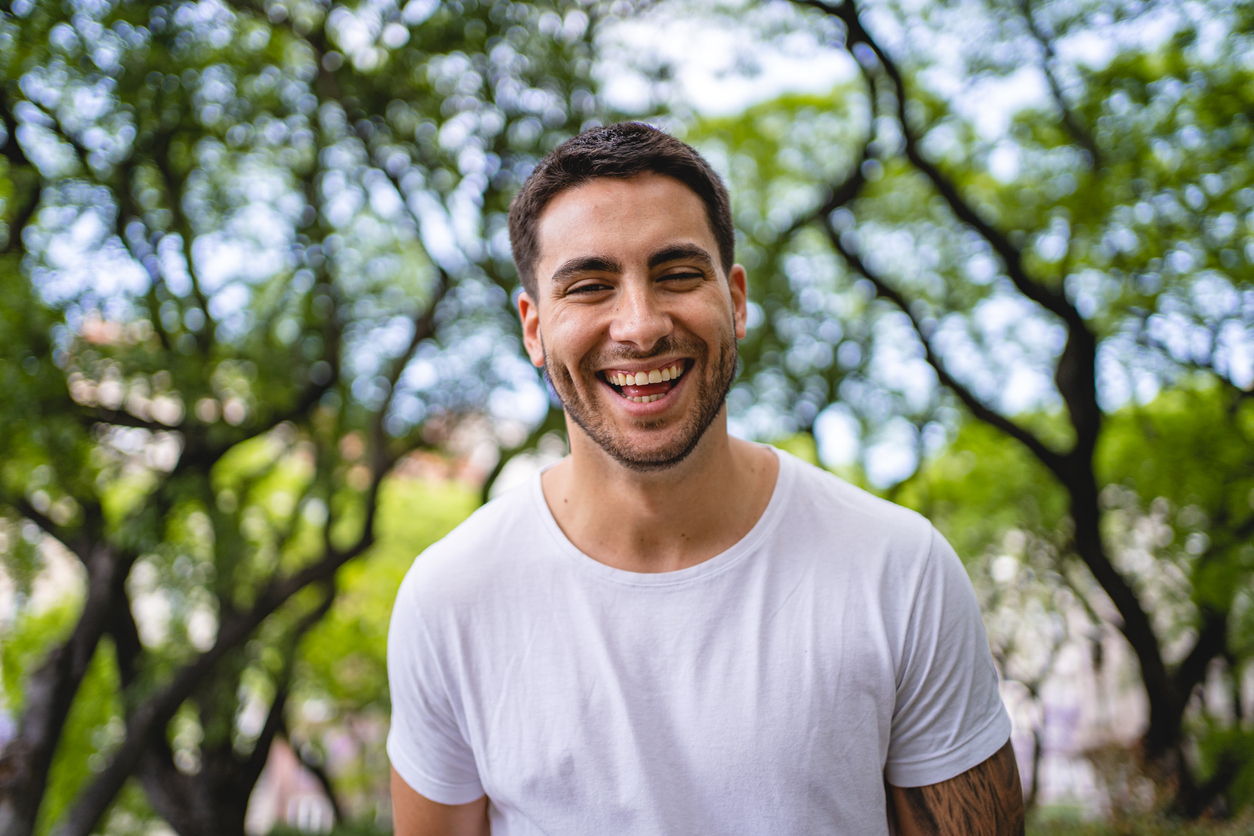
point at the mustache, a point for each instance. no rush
(667, 345)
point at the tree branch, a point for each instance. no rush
(76, 546)
(1051, 459)
(251, 768)
(1211, 641)
(55, 126)
(320, 774)
(1082, 137)
(381, 460)
(50, 689)
(1076, 378)
(125, 634)
(553, 420)
(174, 193)
(1095, 618)
(848, 189)
(127, 212)
(1048, 298)
(151, 716)
(92, 415)
(424, 328)
(12, 148)
(18, 161)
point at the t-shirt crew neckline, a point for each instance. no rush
(761, 529)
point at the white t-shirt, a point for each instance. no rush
(768, 690)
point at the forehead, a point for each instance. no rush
(621, 217)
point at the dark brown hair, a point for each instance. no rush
(622, 150)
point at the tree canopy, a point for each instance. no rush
(253, 254)
(253, 257)
(1077, 283)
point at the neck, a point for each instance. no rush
(665, 520)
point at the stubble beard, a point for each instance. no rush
(711, 394)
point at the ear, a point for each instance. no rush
(529, 313)
(737, 283)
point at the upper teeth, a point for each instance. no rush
(641, 378)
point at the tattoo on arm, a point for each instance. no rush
(986, 800)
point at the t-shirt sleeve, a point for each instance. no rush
(948, 715)
(427, 743)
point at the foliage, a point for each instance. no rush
(94, 722)
(251, 256)
(1191, 450)
(343, 660)
(1051, 823)
(1078, 283)
(980, 488)
(26, 640)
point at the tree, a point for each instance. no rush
(342, 666)
(1094, 252)
(998, 508)
(252, 254)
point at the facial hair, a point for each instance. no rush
(712, 387)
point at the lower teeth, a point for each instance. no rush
(646, 399)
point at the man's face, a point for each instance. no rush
(635, 324)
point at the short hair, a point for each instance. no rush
(622, 150)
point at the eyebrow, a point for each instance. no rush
(604, 264)
(586, 264)
(680, 252)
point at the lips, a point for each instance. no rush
(647, 385)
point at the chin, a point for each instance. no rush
(655, 463)
(651, 456)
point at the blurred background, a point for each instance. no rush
(258, 349)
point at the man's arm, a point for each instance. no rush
(986, 800)
(414, 815)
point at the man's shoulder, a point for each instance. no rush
(848, 538)
(823, 499)
(495, 541)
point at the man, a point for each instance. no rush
(672, 631)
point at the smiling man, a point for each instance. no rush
(673, 631)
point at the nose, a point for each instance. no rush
(639, 316)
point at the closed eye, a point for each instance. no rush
(682, 277)
(588, 288)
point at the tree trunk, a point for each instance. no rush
(210, 803)
(1030, 802)
(214, 801)
(320, 773)
(50, 692)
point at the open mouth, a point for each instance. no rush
(648, 385)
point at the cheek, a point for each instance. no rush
(565, 345)
(717, 317)
(571, 333)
